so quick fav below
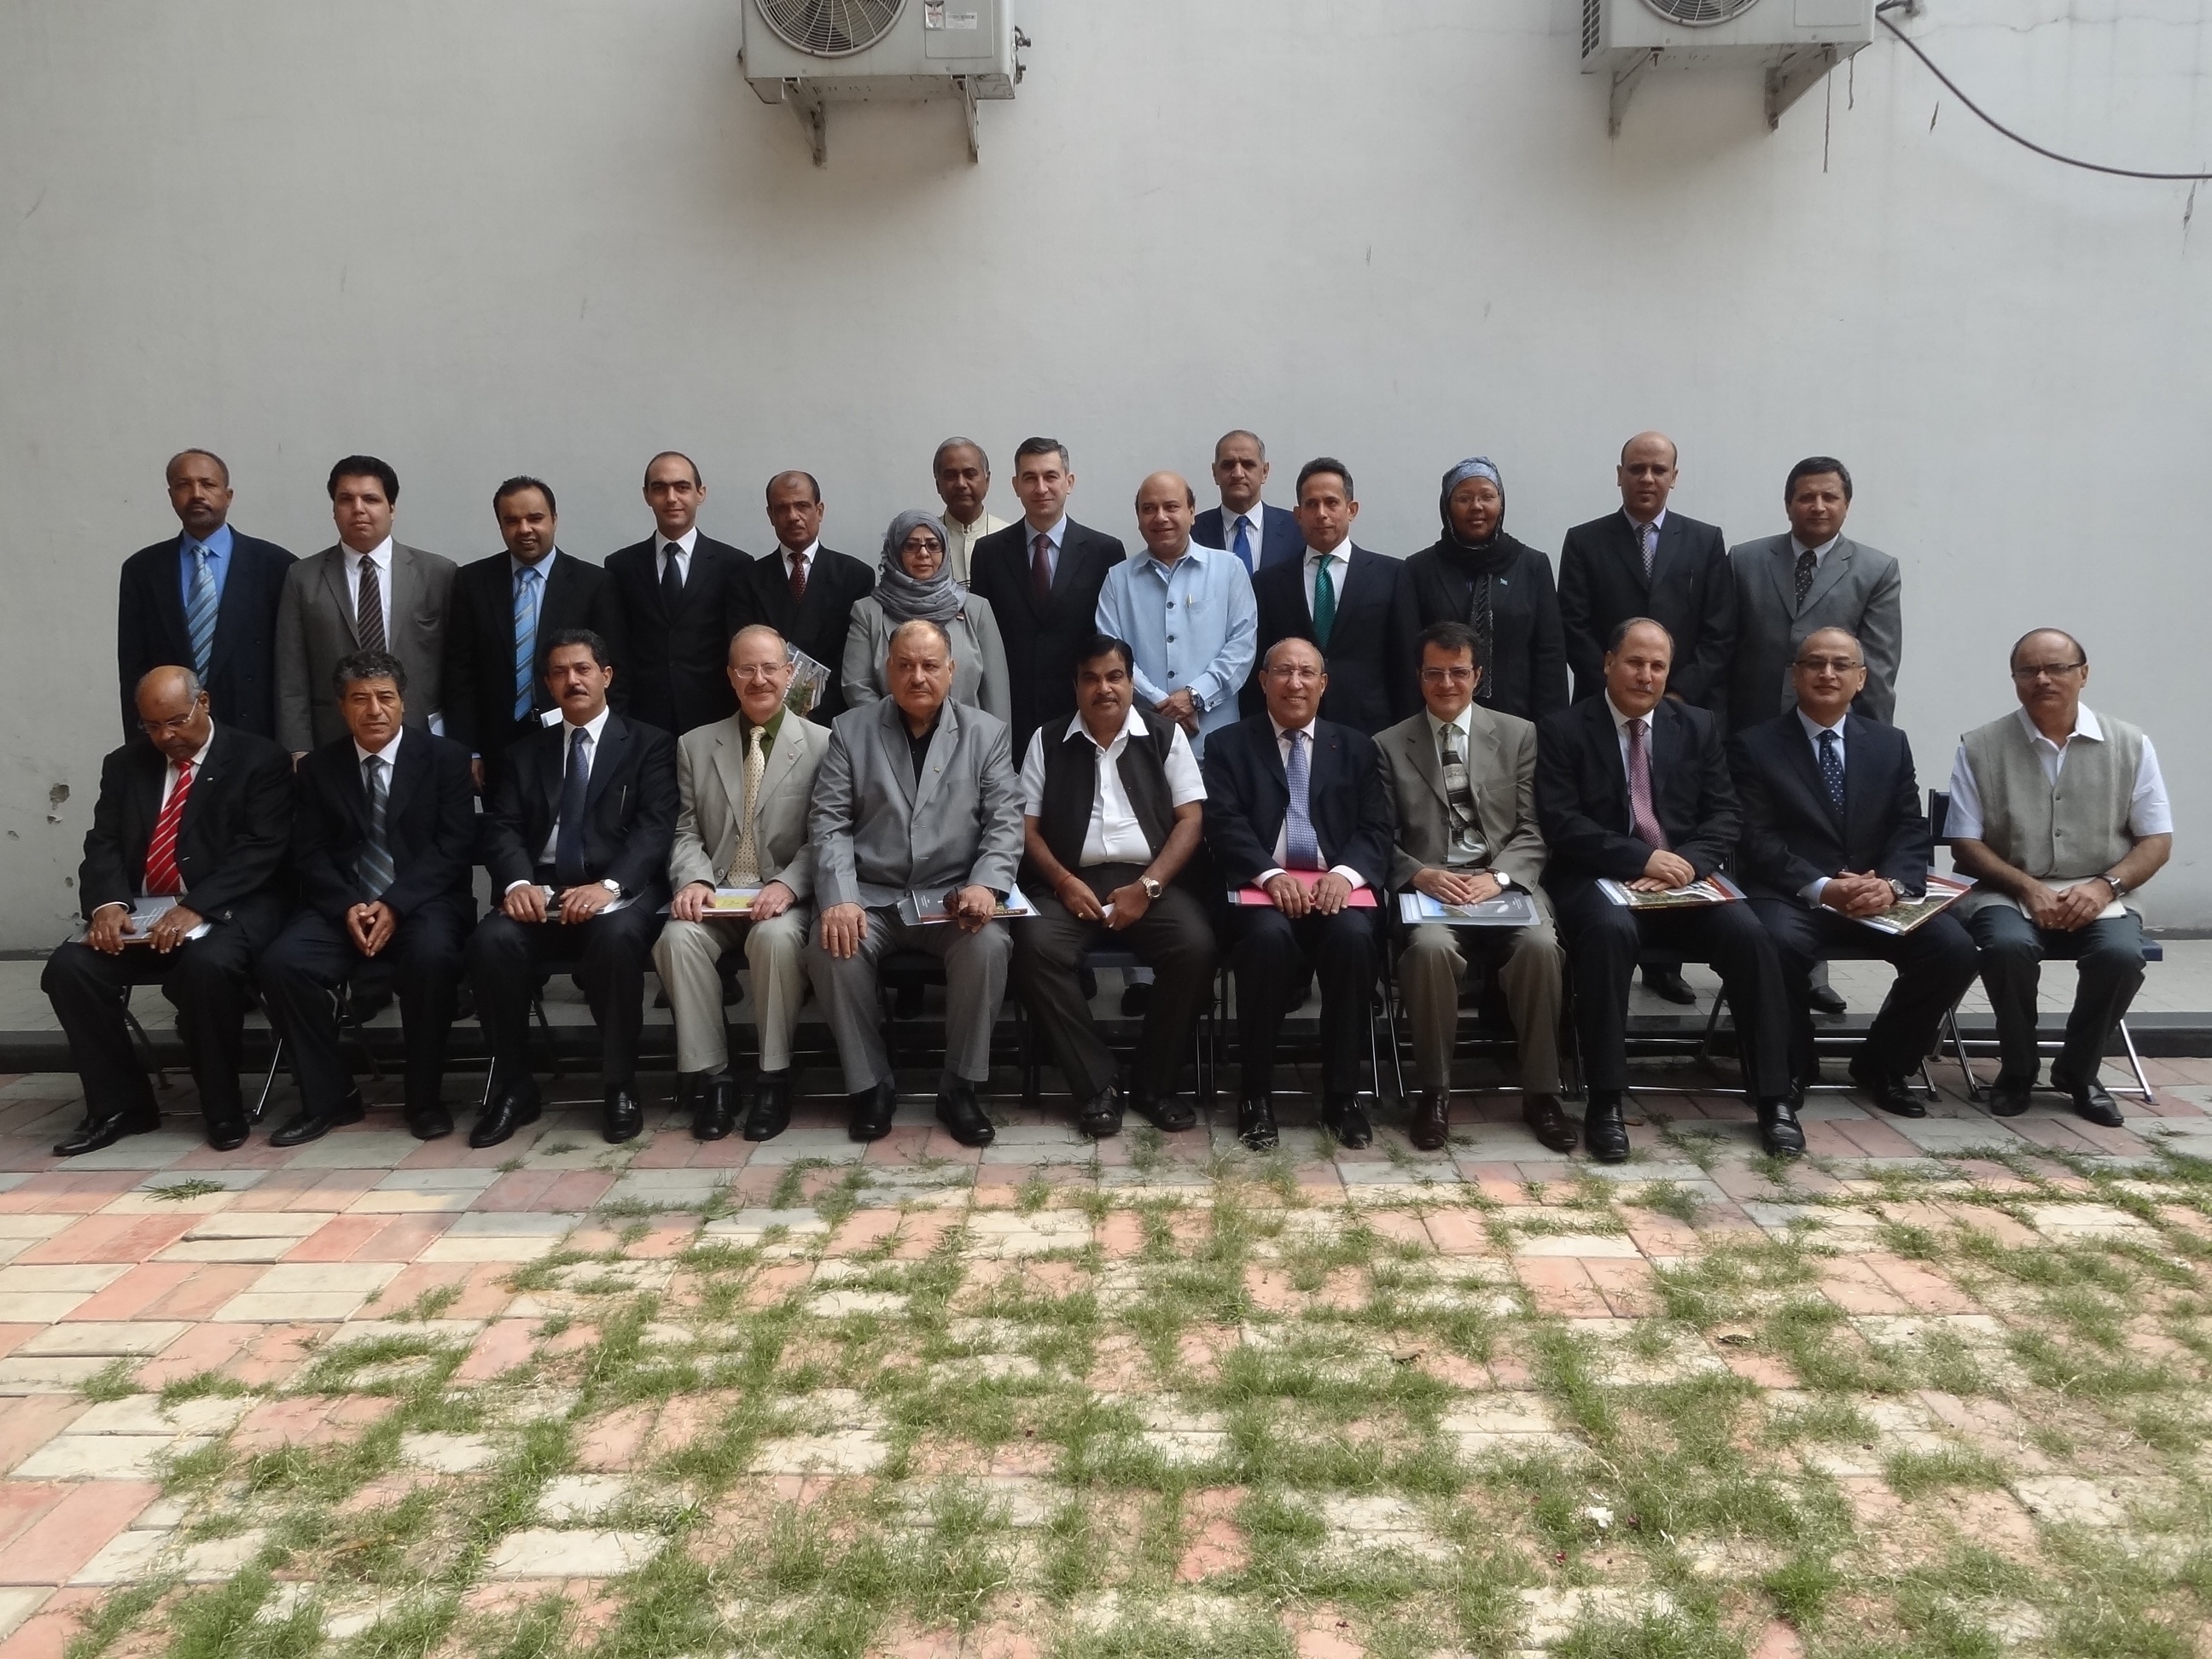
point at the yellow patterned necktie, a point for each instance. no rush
(744, 865)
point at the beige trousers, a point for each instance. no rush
(1529, 964)
(685, 957)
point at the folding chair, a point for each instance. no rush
(1379, 1003)
(1107, 956)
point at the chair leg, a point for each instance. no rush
(1712, 1024)
(545, 1025)
(1958, 1053)
(144, 1043)
(268, 1083)
(2135, 1060)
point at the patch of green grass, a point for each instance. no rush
(413, 1628)
(1668, 1197)
(1654, 1636)
(111, 1382)
(1802, 1587)
(1913, 1474)
(122, 1608)
(177, 1192)
(1824, 1422)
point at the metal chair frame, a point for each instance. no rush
(1487, 1044)
(1106, 955)
(1223, 981)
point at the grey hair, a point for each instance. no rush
(937, 459)
(914, 623)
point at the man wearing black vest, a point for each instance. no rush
(1111, 815)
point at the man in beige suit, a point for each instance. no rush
(744, 784)
(1463, 780)
(368, 593)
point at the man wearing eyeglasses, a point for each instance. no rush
(2059, 814)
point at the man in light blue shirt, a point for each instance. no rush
(1186, 611)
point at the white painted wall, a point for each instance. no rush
(555, 235)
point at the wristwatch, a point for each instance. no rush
(1899, 891)
(2119, 888)
(1153, 888)
(613, 886)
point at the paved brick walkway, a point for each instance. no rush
(1939, 1388)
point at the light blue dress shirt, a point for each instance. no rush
(218, 548)
(1191, 623)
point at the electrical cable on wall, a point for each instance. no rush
(1881, 13)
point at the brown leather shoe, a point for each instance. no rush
(1552, 1127)
(1431, 1123)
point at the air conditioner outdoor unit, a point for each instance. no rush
(812, 53)
(1795, 42)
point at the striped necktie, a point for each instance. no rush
(162, 875)
(374, 865)
(199, 617)
(529, 584)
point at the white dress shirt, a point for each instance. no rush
(1254, 517)
(1282, 864)
(1114, 836)
(389, 754)
(679, 550)
(1340, 566)
(2149, 813)
(379, 560)
(596, 728)
(1811, 891)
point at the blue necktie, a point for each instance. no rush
(569, 840)
(1244, 547)
(199, 619)
(374, 865)
(1832, 771)
(526, 587)
(1299, 844)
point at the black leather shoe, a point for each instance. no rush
(94, 1134)
(1256, 1122)
(1826, 999)
(714, 1107)
(314, 1126)
(1169, 1114)
(1605, 1132)
(771, 1113)
(963, 1116)
(1780, 1135)
(872, 1109)
(1431, 1122)
(1136, 997)
(431, 1123)
(2009, 1095)
(1554, 1129)
(228, 1134)
(1346, 1122)
(2090, 1100)
(1101, 1118)
(1893, 1094)
(513, 1107)
(621, 1118)
(1669, 985)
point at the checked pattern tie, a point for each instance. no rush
(1806, 565)
(199, 617)
(374, 865)
(1300, 846)
(529, 590)
(1647, 543)
(1831, 770)
(745, 863)
(162, 875)
(1643, 818)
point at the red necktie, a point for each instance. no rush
(162, 875)
(1643, 819)
(798, 576)
(1041, 566)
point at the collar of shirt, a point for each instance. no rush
(772, 726)
(1340, 554)
(1798, 549)
(389, 754)
(1658, 518)
(1813, 728)
(1056, 535)
(1620, 722)
(1283, 732)
(2084, 726)
(1132, 725)
(683, 543)
(1193, 556)
(1464, 725)
(811, 552)
(379, 555)
(597, 726)
(1257, 513)
(217, 544)
(544, 566)
(199, 759)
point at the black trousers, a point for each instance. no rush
(1603, 941)
(301, 974)
(608, 954)
(1934, 965)
(1172, 938)
(206, 980)
(1272, 954)
(2106, 954)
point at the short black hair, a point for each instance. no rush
(1105, 645)
(1321, 464)
(937, 459)
(1621, 632)
(792, 472)
(520, 482)
(675, 455)
(363, 466)
(1029, 446)
(1452, 636)
(221, 464)
(369, 665)
(1811, 467)
(583, 636)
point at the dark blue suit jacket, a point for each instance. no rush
(1281, 541)
(429, 825)
(1792, 836)
(1247, 798)
(1373, 679)
(1582, 794)
(150, 631)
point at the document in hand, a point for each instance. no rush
(144, 913)
(1361, 898)
(2115, 909)
(1511, 909)
(1716, 889)
(809, 682)
(926, 909)
(1943, 892)
(732, 903)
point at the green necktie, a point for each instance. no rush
(1324, 603)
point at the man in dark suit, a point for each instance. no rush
(1356, 605)
(675, 589)
(208, 598)
(1633, 788)
(1286, 792)
(191, 824)
(506, 608)
(1645, 561)
(1833, 832)
(803, 590)
(577, 844)
(1042, 578)
(382, 848)
(1259, 535)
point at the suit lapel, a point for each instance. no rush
(1831, 570)
(218, 762)
(406, 592)
(1860, 792)
(1063, 569)
(1782, 566)
(942, 743)
(169, 598)
(1421, 750)
(1803, 762)
(614, 745)
(1631, 555)
(407, 772)
(334, 583)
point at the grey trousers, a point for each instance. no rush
(685, 955)
(975, 980)
(1529, 965)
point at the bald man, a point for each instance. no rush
(1185, 610)
(179, 890)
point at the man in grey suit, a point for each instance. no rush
(917, 799)
(743, 785)
(1463, 780)
(368, 593)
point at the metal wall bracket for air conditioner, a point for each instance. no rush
(1625, 82)
(1795, 76)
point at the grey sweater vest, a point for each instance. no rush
(2067, 831)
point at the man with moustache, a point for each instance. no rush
(803, 590)
(962, 473)
(674, 589)
(1258, 534)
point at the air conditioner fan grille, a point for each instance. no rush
(831, 28)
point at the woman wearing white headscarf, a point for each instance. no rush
(915, 579)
